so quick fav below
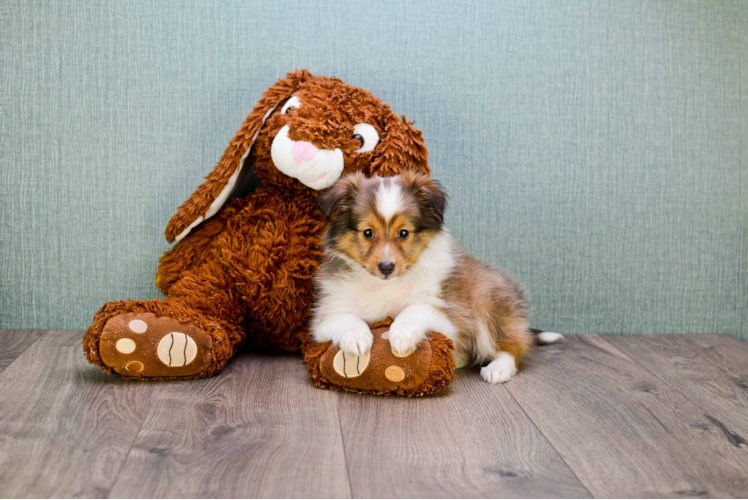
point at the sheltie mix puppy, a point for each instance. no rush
(387, 254)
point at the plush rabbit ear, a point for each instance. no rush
(404, 149)
(219, 184)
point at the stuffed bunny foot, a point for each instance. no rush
(145, 345)
(426, 370)
(138, 339)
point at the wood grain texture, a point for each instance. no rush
(471, 440)
(14, 342)
(614, 416)
(623, 431)
(258, 429)
(65, 426)
(727, 352)
(717, 386)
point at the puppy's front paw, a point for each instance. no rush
(356, 341)
(404, 338)
(499, 370)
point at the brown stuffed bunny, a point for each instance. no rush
(241, 271)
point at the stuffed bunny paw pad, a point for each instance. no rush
(144, 345)
(425, 370)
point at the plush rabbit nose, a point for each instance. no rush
(304, 151)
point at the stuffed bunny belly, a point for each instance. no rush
(272, 250)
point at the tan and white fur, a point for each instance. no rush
(387, 254)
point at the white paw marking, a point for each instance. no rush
(350, 365)
(499, 370)
(549, 337)
(404, 338)
(125, 346)
(356, 341)
(138, 326)
(176, 349)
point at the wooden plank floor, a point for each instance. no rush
(595, 416)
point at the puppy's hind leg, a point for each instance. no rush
(511, 341)
(500, 370)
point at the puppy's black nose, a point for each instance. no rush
(386, 268)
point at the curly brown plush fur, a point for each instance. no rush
(241, 272)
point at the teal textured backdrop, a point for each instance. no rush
(596, 150)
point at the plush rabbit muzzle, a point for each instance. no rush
(314, 167)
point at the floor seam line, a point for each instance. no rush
(550, 443)
(342, 443)
(132, 445)
(46, 332)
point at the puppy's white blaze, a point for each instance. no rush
(389, 199)
(500, 369)
(549, 337)
(388, 251)
(318, 173)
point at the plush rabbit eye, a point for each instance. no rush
(291, 103)
(368, 234)
(367, 136)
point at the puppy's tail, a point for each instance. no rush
(542, 338)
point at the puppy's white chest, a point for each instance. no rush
(378, 299)
(374, 299)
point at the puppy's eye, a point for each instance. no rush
(291, 103)
(368, 234)
(367, 136)
(403, 234)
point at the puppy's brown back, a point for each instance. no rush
(489, 309)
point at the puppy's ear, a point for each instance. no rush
(429, 193)
(339, 196)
